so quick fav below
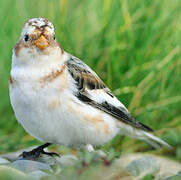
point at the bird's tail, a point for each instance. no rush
(143, 135)
(153, 140)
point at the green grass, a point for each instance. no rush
(134, 46)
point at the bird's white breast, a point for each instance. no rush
(49, 110)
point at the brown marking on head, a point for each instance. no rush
(37, 33)
(17, 48)
(11, 80)
(26, 22)
(61, 49)
(30, 23)
(45, 20)
(53, 75)
(55, 103)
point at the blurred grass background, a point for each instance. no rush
(134, 46)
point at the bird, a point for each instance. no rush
(58, 99)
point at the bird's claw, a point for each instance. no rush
(36, 153)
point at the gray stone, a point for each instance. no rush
(144, 165)
(162, 167)
(15, 155)
(11, 173)
(66, 160)
(175, 177)
(28, 166)
(37, 175)
(4, 161)
(168, 168)
(44, 158)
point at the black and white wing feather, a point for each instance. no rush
(91, 90)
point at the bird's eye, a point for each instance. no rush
(26, 37)
(54, 37)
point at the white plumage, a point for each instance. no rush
(44, 95)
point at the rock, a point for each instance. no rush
(28, 166)
(175, 177)
(144, 165)
(66, 160)
(100, 153)
(128, 167)
(168, 168)
(44, 158)
(138, 165)
(11, 173)
(3, 161)
(37, 175)
(15, 155)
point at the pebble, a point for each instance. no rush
(12, 156)
(28, 166)
(175, 177)
(66, 160)
(134, 166)
(37, 175)
(144, 165)
(4, 161)
(12, 174)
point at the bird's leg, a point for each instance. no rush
(97, 155)
(90, 148)
(35, 153)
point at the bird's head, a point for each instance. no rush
(37, 38)
(38, 33)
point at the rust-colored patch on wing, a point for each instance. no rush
(95, 120)
(99, 123)
(91, 81)
(84, 77)
(17, 48)
(55, 103)
(53, 75)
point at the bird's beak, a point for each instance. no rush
(42, 43)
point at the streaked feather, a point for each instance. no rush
(88, 83)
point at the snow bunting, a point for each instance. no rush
(58, 99)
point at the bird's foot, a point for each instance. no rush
(35, 153)
(99, 153)
(95, 156)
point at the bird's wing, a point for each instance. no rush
(91, 90)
